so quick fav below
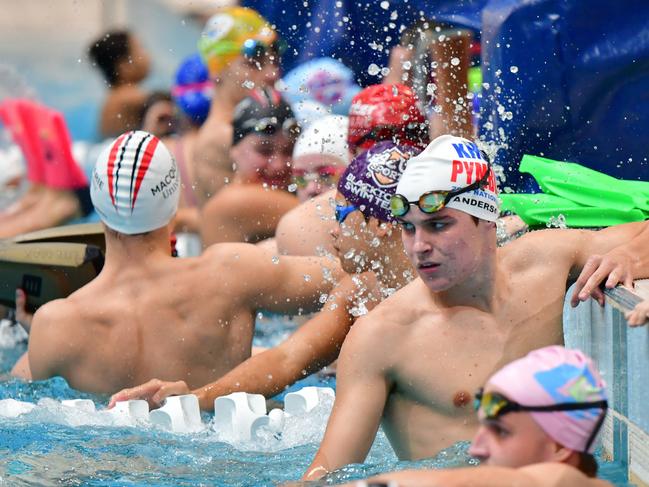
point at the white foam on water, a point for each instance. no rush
(11, 334)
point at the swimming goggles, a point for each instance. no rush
(270, 125)
(411, 134)
(254, 49)
(494, 405)
(324, 175)
(433, 201)
(342, 212)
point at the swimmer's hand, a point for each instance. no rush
(154, 392)
(639, 315)
(23, 317)
(616, 264)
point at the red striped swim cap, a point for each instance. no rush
(135, 184)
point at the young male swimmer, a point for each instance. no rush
(320, 155)
(150, 315)
(248, 209)
(473, 308)
(369, 246)
(539, 417)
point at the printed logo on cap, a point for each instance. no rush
(385, 168)
(218, 26)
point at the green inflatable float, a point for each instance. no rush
(584, 197)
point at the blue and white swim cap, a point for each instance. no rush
(323, 80)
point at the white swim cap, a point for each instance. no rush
(451, 163)
(135, 184)
(326, 136)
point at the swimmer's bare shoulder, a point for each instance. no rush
(559, 475)
(307, 227)
(388, 322)
(552, 247)
(53, 338)
(537, 475)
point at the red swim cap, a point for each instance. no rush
(386, 112)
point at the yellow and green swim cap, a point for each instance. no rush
(226, 32)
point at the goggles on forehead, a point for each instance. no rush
(433, 201)
(494, 405)
(325, 175)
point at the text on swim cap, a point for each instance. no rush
(167, 185)
(367, 191)
(472, 171)
(470, 150)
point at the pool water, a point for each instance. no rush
(57, 445)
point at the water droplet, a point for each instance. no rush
(248, 84)
(513, 69)
(455, 61)
(349, 254)
(275, 259)
(323, 298)
(373, 69)
(307, 277)
(385, 71)
(385, 5)
(292, 188)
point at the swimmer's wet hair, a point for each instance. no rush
(587, 465)
(108, 50)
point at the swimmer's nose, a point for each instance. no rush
(478, 448)
(313, 188)
(420, 245)
(270, 73)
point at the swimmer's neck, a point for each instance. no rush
(124, 251)
(481, 290)
(395, 270)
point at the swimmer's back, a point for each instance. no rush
(145, 323)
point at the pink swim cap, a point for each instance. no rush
(556, 375)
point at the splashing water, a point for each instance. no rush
(557, 222)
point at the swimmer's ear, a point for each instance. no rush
(561, 453)
(379, 228)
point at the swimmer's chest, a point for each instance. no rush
(440, 365)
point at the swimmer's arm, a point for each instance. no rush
(314, 345)
(244, 213)
(539, 475)
(211, 160)
(361, 392)
(280, 283)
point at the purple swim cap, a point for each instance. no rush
(371, 178)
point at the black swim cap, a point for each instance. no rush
(263, 112)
